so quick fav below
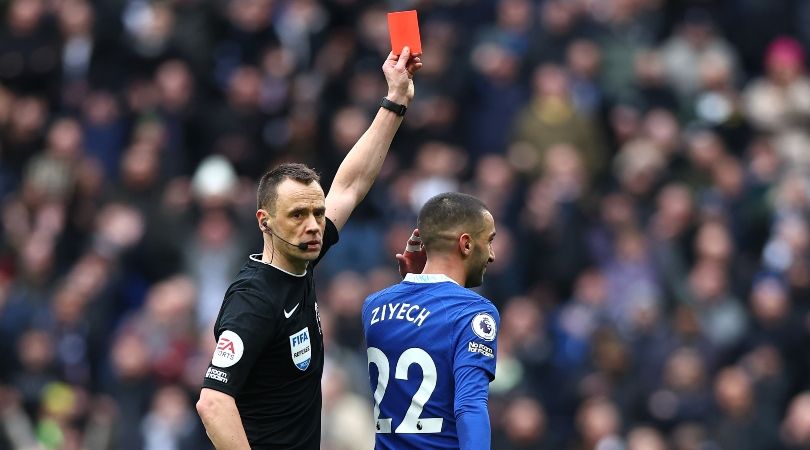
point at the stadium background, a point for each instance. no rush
(647, 162)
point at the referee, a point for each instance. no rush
(262, 389)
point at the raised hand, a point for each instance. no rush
(413, 259)
(399, 71)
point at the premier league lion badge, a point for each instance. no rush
(483, 326)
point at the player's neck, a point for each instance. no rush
(279, 260)
(445, 266)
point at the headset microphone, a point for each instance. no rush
(301, 246)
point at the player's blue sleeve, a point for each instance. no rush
(475, 337)
(472, 416)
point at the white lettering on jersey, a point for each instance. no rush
(400, 314)
(399, 311)
(421, 317)
(392, 310)
(218, 375)
(475, 347)
(408, 314)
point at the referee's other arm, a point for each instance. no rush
(222, 421)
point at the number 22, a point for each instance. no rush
(411, 423)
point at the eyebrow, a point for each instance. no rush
(303, 209)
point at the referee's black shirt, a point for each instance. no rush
(269, 353)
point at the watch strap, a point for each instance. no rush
(396, 108)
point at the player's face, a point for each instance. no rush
(300, 217)
(482, 252)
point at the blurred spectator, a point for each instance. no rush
(739, 425)
(347, 423)
(645, 438)
(795, 430)
(627, 28)
(779, 103)
(171, 424)
(695, 40)
(583, 60)
(598, 424)
(523, 426)
(683, 395)
(552, 119)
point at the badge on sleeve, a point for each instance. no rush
(301, 349)
(229, 349)
(483, 326)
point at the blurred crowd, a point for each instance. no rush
(647, 163)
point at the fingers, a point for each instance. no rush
(413, 68)
(414, 242)
(402, 62)
(414, 65)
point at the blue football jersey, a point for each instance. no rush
(418, 333)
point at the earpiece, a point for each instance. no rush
(301, 246)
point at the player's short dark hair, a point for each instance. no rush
(268, 186)
(447, 214)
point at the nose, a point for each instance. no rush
(312, 224)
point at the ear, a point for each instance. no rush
(263, 218)
(465, 244)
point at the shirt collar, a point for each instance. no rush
(258, 258)
(428, 278)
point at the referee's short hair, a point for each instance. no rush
(445, 216)
(268, 186)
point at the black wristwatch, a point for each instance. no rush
(396, 108)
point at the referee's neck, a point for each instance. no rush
(283, 262)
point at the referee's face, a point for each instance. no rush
(300, 218)
(482, 253)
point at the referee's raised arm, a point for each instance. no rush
(361, 165)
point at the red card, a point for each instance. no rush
(403, 27)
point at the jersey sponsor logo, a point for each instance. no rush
(229, 349)
(218, 375)
(475, 347)
(226, 345)
(287, 315)
(301, 349)
(483, 326)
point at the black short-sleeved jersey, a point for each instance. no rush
(269, 353)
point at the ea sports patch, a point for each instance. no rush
(229, 349)
(483, 326)
(301, 349)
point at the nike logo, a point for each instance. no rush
(288, 314)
